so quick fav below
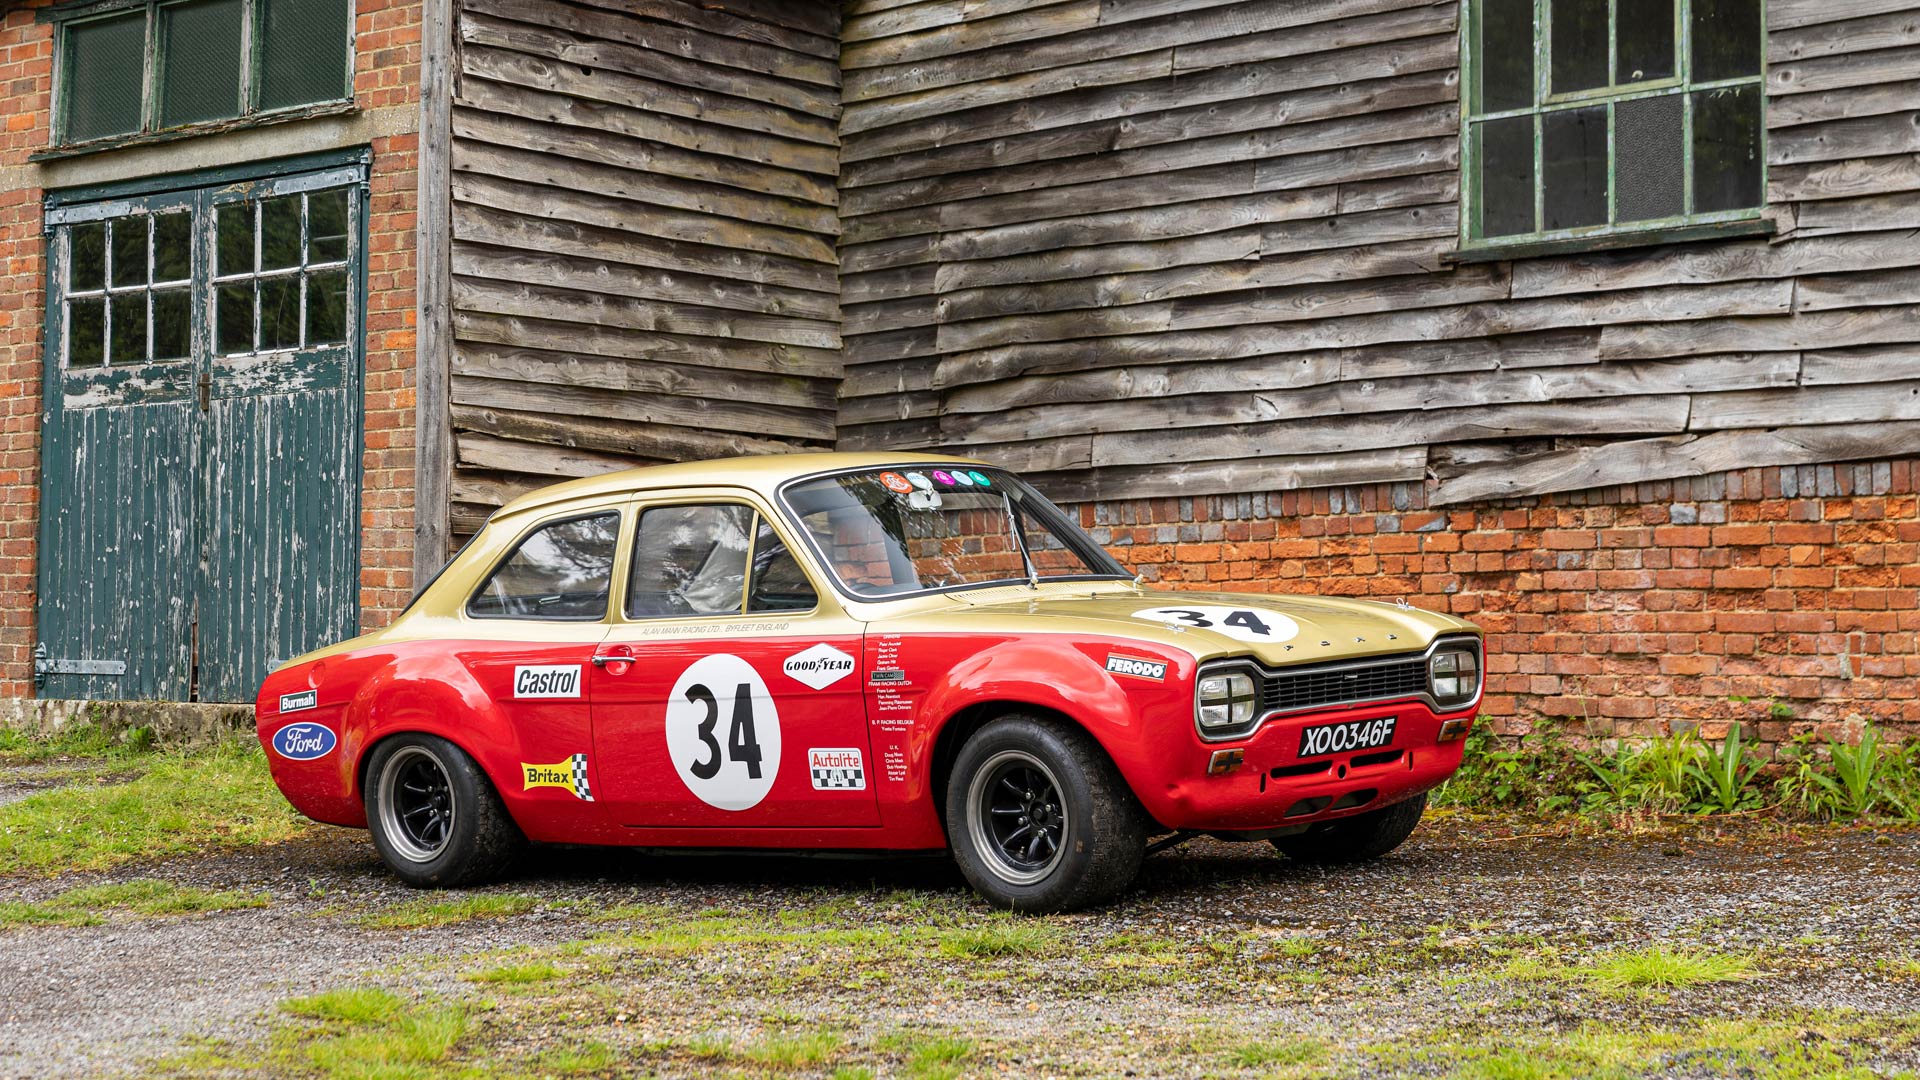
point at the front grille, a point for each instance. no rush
(1340, 684)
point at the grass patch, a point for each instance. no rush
(74, 741)
(1273, 1054)
(355, 1005)
(219, 798)
(420, 914)
(516, 974)
(84, 906)
(1005, 937)
(1659, 968)
(928, 1057)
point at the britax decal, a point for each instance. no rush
(546, 681)
(819, 667)
(304, 742)
(568, 775)
(1136, 667)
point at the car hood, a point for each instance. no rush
(1279, 630)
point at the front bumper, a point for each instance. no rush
(1273, 788)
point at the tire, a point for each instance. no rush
(1100, 830)
(474, 841)
(1358, 838)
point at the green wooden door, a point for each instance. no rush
(200, 491)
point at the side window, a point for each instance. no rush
(561, 571)
(778, 582)
(689, 561)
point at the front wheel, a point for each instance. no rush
(1357, 838)
(435, 817)
(1040, 820)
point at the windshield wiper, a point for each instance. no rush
(1020, 539)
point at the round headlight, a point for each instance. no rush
(1453, 675)
(1226, 699)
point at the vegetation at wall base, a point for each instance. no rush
(1874, 778)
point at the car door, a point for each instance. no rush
(728, 692)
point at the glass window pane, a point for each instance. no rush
(778, 582)
(560, 572)
(172, 247)
(280, 312)
(129, 345)
(233, 319)
(1650, 158)
(236, 239)
(1506, 55)
(280, 232)
(104, 70)
(689, 560)
(172, 324)
(129, 251)
(1644, 35)
(1726, 39)
(1573, 152)
(1726, 149)
(200, 61)
(86, 332)
(327, 308)
(327, 226)
(1505, 155)
(303, 52)
(1579, 49)
(87, 256)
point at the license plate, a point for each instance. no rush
(1323, 739)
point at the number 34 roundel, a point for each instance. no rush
(723, 733)
(1243, 624)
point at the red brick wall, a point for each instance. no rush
(387, 68)
(1631, 610)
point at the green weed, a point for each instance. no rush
(516, 974)
(83, 907)
(420, 914)
(1008, 937)
(1663, 969)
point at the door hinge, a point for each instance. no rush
(44, 665)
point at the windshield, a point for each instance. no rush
(885, 532)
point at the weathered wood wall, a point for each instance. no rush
(643, 222)
(1150, 247)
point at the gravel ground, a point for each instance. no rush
(1396, 945)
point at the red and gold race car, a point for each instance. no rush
(860, 652)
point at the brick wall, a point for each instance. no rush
(1788, 598)
(387, 67)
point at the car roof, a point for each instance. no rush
(761, 474)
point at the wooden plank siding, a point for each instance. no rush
(1144, 248)
(644, 217)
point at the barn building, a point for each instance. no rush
(1596, 321)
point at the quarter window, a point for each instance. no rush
(691, 561)
(560, 571)
(1595, 117)
(163, 64)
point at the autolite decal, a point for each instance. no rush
(837, 769)
(547, 681)
(570, 775)
(1136, 667)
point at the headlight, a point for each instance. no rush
(1453, 675)
(1226, 699)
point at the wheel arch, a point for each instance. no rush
(963, 724)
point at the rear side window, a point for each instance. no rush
(560, 571)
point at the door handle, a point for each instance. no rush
(617, 661)
(603, 661)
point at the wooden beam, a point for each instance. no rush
(433, 439)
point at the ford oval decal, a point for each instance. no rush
(304, 742)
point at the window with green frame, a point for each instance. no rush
(141, 66)
(1605, 117)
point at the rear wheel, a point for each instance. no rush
(1040, 820)
(1357, 838)
(435, 817)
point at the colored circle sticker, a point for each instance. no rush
(920, 480)
(942, 476)
(723, 732)
(980, 478)
(895, 482)
(1241, 624)
(962, 479)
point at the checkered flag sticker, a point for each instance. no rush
(580, 787)
(837, 770)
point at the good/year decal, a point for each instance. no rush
(1243, 624)
(723, 732)
(819, 667)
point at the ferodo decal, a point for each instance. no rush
(304, 742)
(570, 775)
(546, 681)
(723, 732)
(819, 667)
(837, 770)
(1137, 667)
(299, 702)
(1241, 624)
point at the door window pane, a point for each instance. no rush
(689, 561)
(1726, 149)
(1506, 176)
(1574, 151)
(129, 344)
(327, 308)
(778, 582)
(1726, 39)
(1506, 55)
(562, 571)
(105, 69)
(87, 256)
(1579, 52)
(327, 226)
(130, 251)
(172, 246)
(1644, 35)
(303, 52)
(172, 323)
(1650, 153)
(233, 319)
(86, 332)
(200, 63)
(280, 233)
(280, 312)
(236, 239)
